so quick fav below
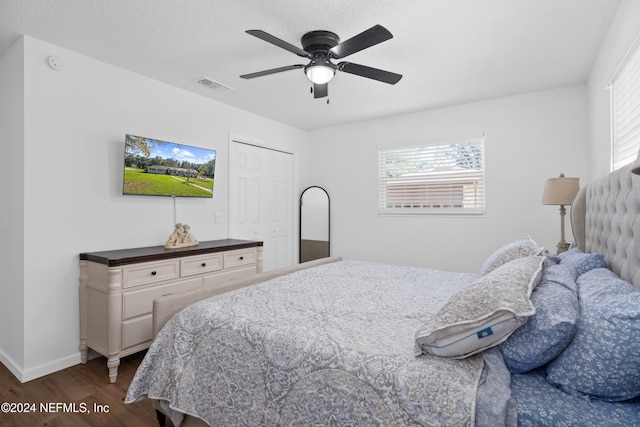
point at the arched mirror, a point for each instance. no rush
(314, 224)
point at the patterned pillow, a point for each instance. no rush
(579, 263)
(485, 313)
(603, 359)
(551, 259)
(551, 329)
(516, 249)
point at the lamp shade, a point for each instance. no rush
(560, 191)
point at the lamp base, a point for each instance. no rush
(562, 247)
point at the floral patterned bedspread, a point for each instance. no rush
(328, 346)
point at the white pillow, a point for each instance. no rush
(512, 250)
(485, 313)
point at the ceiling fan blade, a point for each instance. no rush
(278, 42)
(320, 91)
(271, 71)
(370, 73)
(372, 36)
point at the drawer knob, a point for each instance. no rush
(204, 264)
(153, 273)
(241, 258)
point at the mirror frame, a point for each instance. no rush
(300, 222)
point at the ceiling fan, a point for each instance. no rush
(320, 47)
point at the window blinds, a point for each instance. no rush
(445, 178)
(625, 109)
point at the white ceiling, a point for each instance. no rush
(449, 51)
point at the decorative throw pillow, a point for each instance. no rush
(551, 329)
(579, 262)
(485, 313)
(551, 259)
(603, 359)
(516, 249)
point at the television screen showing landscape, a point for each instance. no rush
(161, 168)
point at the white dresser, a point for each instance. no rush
(117, 289)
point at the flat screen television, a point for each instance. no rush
(161, 168)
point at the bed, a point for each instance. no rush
(532, 339)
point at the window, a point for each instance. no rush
(444, 178)
(625, 109)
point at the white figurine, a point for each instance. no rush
(187, 238)
(180, 238)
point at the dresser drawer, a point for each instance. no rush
(139, 302)
(136, 331)
(200, 264)
(152, 272)
(239, 258)
(224, 277)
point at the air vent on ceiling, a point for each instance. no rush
(212, 84)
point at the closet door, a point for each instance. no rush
(261, 200)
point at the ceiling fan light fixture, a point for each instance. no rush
(320, 73)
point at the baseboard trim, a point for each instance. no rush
(50, 367)
(11, 365)
(25, 375)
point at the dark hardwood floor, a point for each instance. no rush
(81, 386)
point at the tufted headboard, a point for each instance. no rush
(605, 217)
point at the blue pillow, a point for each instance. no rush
(550, 259)
(603, 359)
(579, 262)
(550, 330)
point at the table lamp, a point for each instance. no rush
(560, 191)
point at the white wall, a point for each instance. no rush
(75, 121)
(625, 27)
(528, 138)
(12, 203)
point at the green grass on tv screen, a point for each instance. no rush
(137, 181)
